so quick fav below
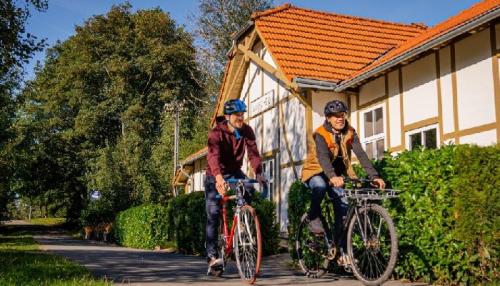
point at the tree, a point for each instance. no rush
(16, 48)
(100, 98)
(216, 22)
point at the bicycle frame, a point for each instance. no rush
(228, 236)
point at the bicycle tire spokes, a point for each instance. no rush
(372, 244)
(248, 244)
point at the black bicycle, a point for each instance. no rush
(372, 244)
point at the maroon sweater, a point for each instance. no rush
(225, 153)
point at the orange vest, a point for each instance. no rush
(311, 164)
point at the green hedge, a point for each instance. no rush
(142, 227)
(447, 217)
(182, 222)
(189, 210)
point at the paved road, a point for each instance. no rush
(125, 266)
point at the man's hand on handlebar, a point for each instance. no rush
(220, 185)
(261, 179)
(337, 182)
(379, 183)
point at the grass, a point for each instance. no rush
(47, 221)
(22, 263)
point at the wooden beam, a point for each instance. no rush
(454, 92)
(470, 131)
(496, 77)
(420, 124)
(265, 66)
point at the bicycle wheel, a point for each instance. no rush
(247, 244)
(311, 250)
(372, 245)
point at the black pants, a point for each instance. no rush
(213, 209)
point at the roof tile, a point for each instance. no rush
(327, 46)
(436, 31)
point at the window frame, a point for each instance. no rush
(271, 180)
(421, 131)
(374, 138)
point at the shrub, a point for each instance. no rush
(142, 227)
(187, 217)
(447, 217)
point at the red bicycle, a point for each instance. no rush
(244, 237)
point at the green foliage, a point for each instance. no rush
(299, 200)
(447, 216)
(16, 48)
(95, 118)
(266, 212)
(142, 227)
(183, 223)
(187, 217)
(476, 193)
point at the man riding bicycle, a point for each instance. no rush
(227, 143)
(327, 162)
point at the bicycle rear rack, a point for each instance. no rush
(371, 194)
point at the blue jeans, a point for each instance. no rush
(319, 186)
(213, 209)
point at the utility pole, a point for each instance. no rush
(176, 143)
(176, 107)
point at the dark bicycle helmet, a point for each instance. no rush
(335, 106)
(234, 106)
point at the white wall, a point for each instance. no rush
(420, 90)
(353, 114)
(372, 90)
(295, 126)
(394, 109)
(475, 93)
(268, 58)
(482, 139)
(446, 90)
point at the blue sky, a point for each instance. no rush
(59, 21)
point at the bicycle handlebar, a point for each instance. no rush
(243, 181)
(263, 195)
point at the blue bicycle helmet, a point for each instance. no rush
(234, 106)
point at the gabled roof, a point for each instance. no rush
(452, 23)
(327, 46)
(198, 154)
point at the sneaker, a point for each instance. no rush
(215, 267)
(315, 226)
(214, 262)
(344, 260)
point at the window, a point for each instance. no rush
(373, 133)
(268, 172)
(423, 137)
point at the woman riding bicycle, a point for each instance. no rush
(227, 143)
(327, 162)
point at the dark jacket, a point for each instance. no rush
(225, 153)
